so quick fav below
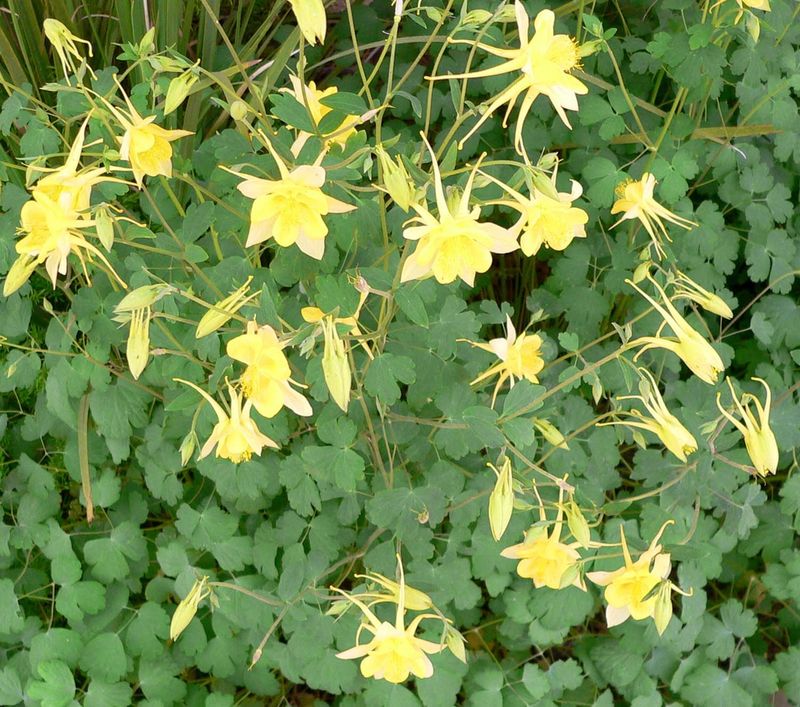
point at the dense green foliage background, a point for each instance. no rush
(85, 608)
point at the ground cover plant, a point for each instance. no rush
(404, 353)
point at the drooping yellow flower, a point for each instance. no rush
(520, 357)
(547, 216)
(187, 608)
(236, 437)
(758, 436)
(635, 200)
(662, 423)
(688, 344)
(394, 652)
(542, 556)
(52, 232)
(145, 145)
(628, 587)
(267, 379)
(686, 288)
(544, 62)
(290, 209)
(66, 45)
(68, 185)
(456, 244)
(310, 96)
(310, 16)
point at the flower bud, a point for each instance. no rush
(501, 500)
(187, 447)
(455, 642)
(550, 433)
(18, 274)
(221, 313)
(396, 181)
(662, 610)
(105, 226)
(187, 608)
(138, 349)
(238, 110)
(335, 366)
(178, 90)
(145, 296)
(476, 17)
(577, 523)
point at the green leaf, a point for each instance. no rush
(385, 372)
(103, 658)
(57, 687)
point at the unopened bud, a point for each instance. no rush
(396, 181)
(455, 643)
(104, 225)
(577, 523)
(222, 312)
(335, 366)
(179, 88)
(477, 17)
(662, 610)
(187, 609)
(138, 349)
(550, 433)
(501, 500)
(18, 274)
(239, 110)
(187, 447)
(145, 296)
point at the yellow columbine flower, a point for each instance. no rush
(661, 422)
(628, 587)
(310, 96)
(66, 45)
(52, 232)
(544, 62)
(456, 244)
(692, 348)
(236, 437)
(266, 380)
(310, 16)
(635, 200)
(290, 209)
(543, 558)
(548, 216)
(520, 357)
(758, 436)
(187, 608)
(686, 288)
(68, 185)
(145, 145)
(394, 652)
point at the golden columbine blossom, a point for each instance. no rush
(310, 96)
(145, 145)
(236, 437)
(68, 185)
(267, 379)
(501, 500)
(66, 45)
(693, 349)
(547, 215)
(542, 556)
(520, 357)
(456, 244)
(758, 436)
(52, 232)
(394, 652)
(686, 288)
(290, 209)
(629, 590)
(544, 62)
(635, 200)
(310, 16)
(662, 423)
(187, 608)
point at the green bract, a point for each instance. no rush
(290, 329)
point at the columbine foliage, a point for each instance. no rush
(399, 353)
